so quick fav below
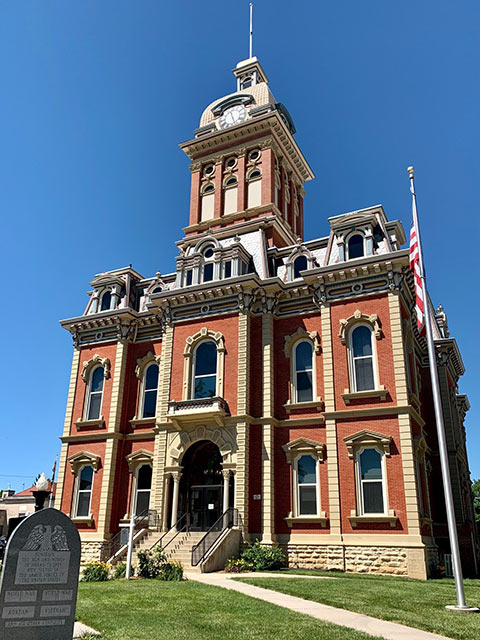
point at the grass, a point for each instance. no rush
(154, 610)
(411, 602)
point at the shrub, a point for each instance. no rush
(96, 572)
(263, 558)
(120, 570)
(171, 570)
(237, 565)
(150, 562)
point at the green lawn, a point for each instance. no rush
(412, 602)
(154, 610)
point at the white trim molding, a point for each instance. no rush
(190, 345)
(138, 458)
(301, 334)
(368, 438)
(95, 360)
(301, 446)
(143, 362)
(83, 458)
(358, 317)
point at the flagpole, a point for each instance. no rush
(53, 481)
(447, 487)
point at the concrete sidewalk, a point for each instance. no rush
(342, 617)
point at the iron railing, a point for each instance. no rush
(148, 519)
(181, 526)
(230, 518)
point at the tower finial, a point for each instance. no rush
(251, 31)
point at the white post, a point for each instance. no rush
(131, 529)
(226, 488)
(176, 486)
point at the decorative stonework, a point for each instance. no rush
(84, 458)
(142, 363)
(304, 446)
(137, 458)
(190, 344)
(200, 335)
(358, 316)
(367, 438)
(93, 362)
(300, 334)
(181, 441)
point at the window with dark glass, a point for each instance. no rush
(304, 372)
(84, 492)
(95, 393)
(227, 269)
(205, 376)
(150, 385)
(189, 277)
(300, 264)
(362, 359)
(371, 481)
(208, 272)
(106, 301)
(355, 247)
(307, 486)
(144, 485)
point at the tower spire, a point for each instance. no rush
(251, 32)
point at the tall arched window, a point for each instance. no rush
(254, 188)
(300, 264)
(144, 486)
(230, 195)
(362, 370)
(150, 385)
(207, 202)
(371, 481)
(106, 301)
(303, 363)
(84, 492)
(95, 393)
(205, 370)
(307, 486)
(355, 247)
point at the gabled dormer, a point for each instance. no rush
(111, 289)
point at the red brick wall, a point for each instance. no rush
(256, 366)
(255, 479)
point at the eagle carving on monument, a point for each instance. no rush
(42, 538)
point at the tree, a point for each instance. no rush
(476, 499)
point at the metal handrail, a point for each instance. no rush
(179, 529)
(148, 518)
(230, 518)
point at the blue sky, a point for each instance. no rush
(95, 97)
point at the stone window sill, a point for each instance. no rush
(99, 423)
(321, 519)
(380, 393)
(140, 422)
(372, 518)
(83, 520)
(296, 406)
(414, 401)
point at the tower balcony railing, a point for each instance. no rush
(183, 412)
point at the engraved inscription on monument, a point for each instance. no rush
(38, 588)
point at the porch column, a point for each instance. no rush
(176, 475)
(226, 488)
(166, 493)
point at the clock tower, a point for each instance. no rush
(247, 169)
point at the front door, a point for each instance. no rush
(205, 506)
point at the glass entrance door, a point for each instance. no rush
(205, 506)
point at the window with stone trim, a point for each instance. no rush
(254, 188)
(205, 370)
(143, 487)
(149, 391)
(106, 301)
(94, 396)
(306, 485)
(303, 378)
(355, 246)
(362, 359)
(371, 487)
(83, 491)
(300, 264)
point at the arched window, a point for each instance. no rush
(370, 481)
(208, 267)
(106, 301)
(306, 486)
(230, 195)
(84, 492)
(205, 370)
(150, 385)
(355, 247)
(303, 366)
(246, 82)
(143, 489)
(362, 370)
(95, 393)
(300, 264)
(254, 190)
(208, 196)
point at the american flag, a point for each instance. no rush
(415, 267)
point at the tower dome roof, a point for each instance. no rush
(260, 93)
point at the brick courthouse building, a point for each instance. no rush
(280, 376)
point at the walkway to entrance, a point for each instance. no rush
(342, 617)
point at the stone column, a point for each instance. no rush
(226, 487)
(267, 435)
(176, 475)
(165, 506)
(195, 196)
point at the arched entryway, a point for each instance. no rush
(203, 486)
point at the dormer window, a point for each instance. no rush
(299, 265)
(106, 301)
(355, 247)
(208, 252)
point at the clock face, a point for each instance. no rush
(233, 115)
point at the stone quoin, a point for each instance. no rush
(280, 376)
